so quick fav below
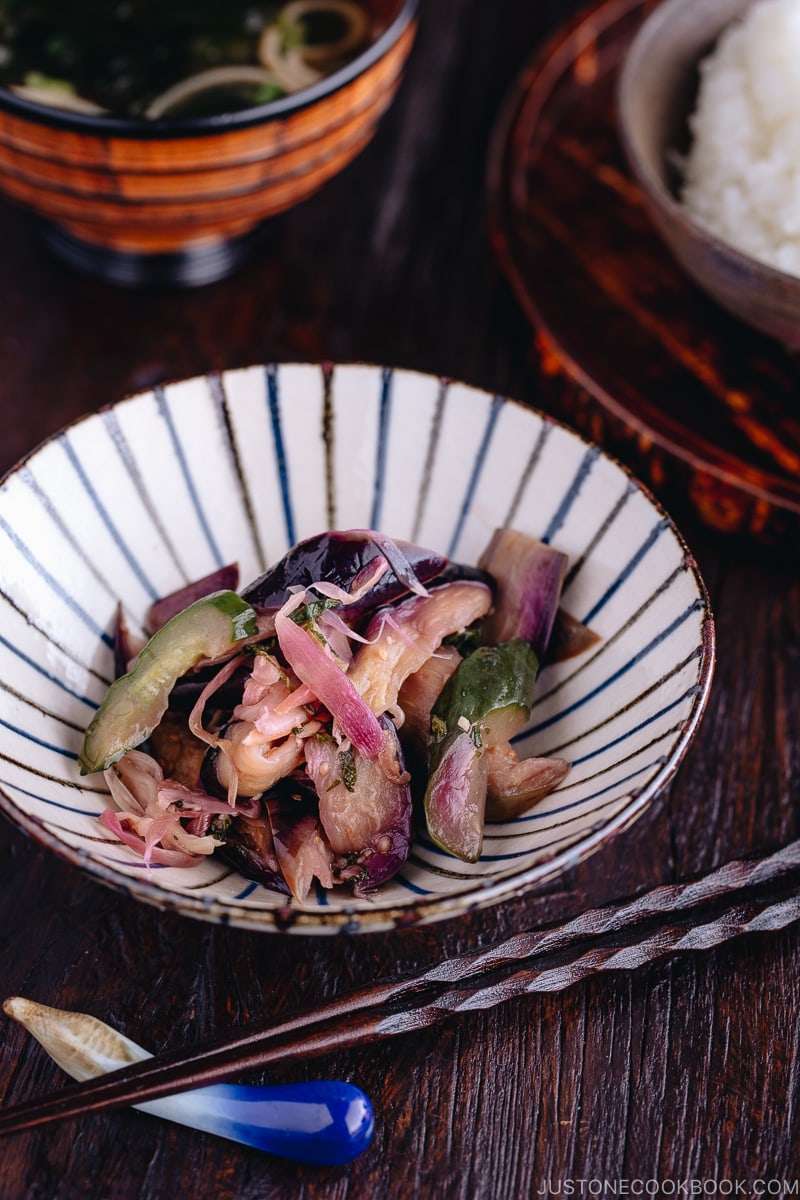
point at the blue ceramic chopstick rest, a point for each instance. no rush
(327, 1122)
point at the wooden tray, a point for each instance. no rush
(632, 352)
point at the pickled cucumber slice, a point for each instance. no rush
(136, 702)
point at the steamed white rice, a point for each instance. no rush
(742, 175)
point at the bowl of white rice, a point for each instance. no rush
(709, 110)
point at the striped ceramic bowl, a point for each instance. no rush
(131, 502)
(182, 201)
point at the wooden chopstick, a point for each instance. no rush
(674, 918)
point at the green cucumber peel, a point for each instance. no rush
(136, 702)
(491, 681)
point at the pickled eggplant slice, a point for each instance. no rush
(514, 784)
(454, 572)
(530, 575)
(127, 644)
(365, 807)
(302, 852)
(486, 700)
(570, 637)
(340, 557)
(399, 642)
(178, 751)
(417, 697)
(135, 703)
(455, 798)
(249, 847)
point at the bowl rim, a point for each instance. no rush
(382, 917)
(656, 191)
(137, 128)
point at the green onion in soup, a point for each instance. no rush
(144, 58)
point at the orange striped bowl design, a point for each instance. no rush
(171, 186)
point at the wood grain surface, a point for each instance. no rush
(685, 1070)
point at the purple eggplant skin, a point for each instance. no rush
(368, 818)
(388, 854)
(339, 557)
(530, 576)
(209, 779)
(126, 645)
(456, 572)
(250, 849)
(455, 798)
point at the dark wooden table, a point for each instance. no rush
(679, 1077)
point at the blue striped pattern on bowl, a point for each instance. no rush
(131, 502)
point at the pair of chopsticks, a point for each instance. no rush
(697, 915)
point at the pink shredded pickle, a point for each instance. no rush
(196, 715)
(299, 698)
(145, 821)
(115, 823)
(315, 666)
